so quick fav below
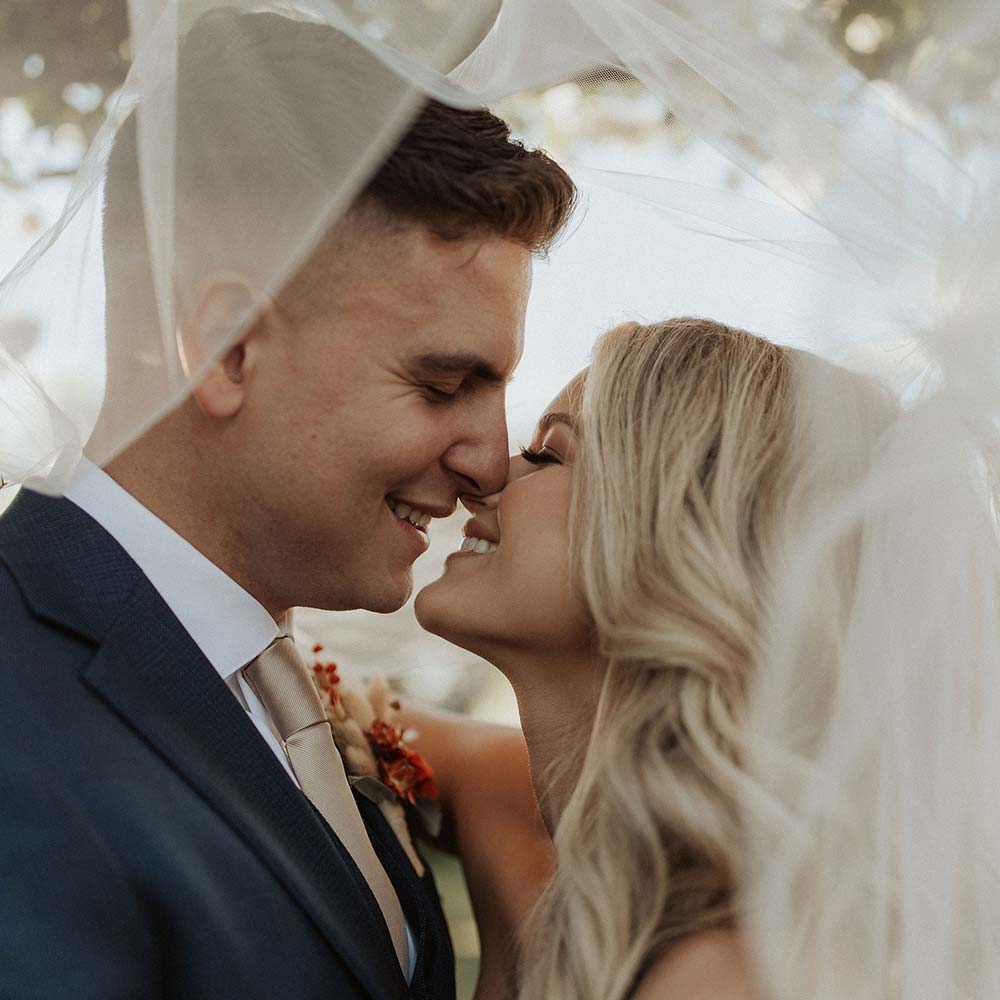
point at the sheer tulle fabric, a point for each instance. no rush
(873, 829)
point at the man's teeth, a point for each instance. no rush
(407, 513)
(478, 545)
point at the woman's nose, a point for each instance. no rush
(478, 505)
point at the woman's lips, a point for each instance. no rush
(476, 529)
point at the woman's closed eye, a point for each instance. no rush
(540, 457)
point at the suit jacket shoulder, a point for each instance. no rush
(150, 839)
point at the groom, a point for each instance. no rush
(159, 837)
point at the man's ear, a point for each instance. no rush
(226, 303)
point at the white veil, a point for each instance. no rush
(873, 863)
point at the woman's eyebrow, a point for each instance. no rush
(556, 417)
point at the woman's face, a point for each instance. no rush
(518, 595)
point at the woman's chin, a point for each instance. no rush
(435, 608)
(425, 606)
(441, 611)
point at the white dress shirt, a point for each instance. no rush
(228, 625)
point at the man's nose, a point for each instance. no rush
(481, 459)
(516, 467)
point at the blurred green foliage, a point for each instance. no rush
(49, 46)
(458, 912)
(63, 58)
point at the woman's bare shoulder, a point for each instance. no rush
(708, 965)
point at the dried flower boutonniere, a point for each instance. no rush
(378, 762)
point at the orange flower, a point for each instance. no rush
(400, 769)
(383, 737)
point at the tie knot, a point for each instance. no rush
(281, 679)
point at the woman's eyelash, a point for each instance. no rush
(539, 457)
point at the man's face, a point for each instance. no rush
(393, 398)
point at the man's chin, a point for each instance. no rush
(390, 597)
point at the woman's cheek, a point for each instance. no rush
(534, 555)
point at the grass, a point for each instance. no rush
(461, 923)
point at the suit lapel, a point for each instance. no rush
(149, 670)
(399, 868)
(434, 972)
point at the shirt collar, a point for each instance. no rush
(227, 623)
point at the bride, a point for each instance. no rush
(619, 582)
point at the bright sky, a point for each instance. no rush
(626, 260)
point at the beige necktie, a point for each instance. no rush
(281, 680)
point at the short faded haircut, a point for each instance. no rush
(456, 171)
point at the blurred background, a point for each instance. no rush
(62, 63)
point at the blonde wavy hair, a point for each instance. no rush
(684, 456)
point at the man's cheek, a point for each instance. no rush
(419, 443)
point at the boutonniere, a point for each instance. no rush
(378, 762)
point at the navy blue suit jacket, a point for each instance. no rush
(151, 845)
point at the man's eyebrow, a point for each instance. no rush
(555, 417)
(453, 364)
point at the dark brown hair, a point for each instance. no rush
(459, 172)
